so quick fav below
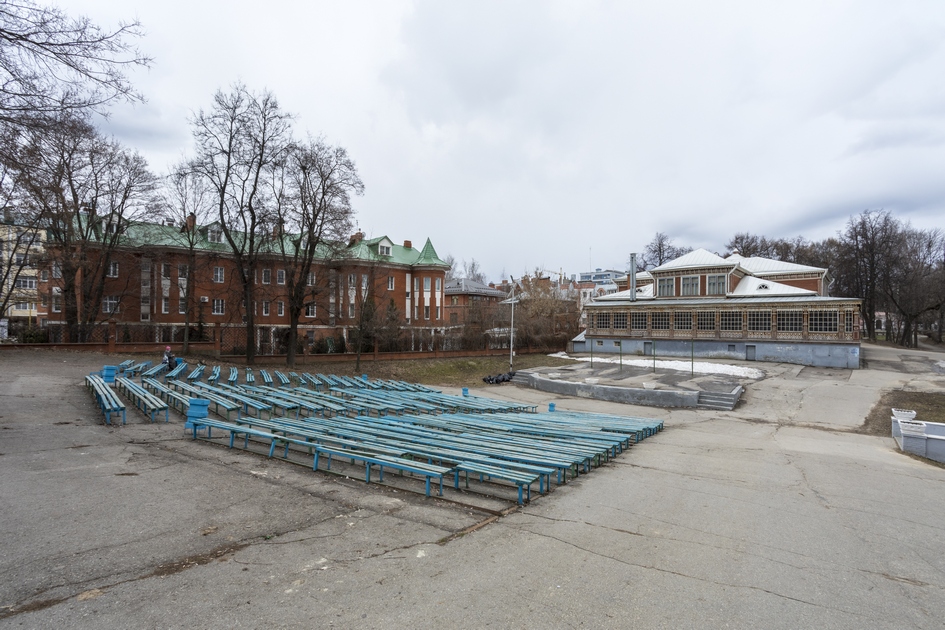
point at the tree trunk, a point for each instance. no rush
(250, 323)
(293, 337)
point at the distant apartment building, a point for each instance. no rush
(21, 252)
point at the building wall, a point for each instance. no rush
(837, 355)
(148, 283)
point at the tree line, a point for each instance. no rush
(896, 269)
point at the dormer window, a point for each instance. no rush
(383, 250)
(215, 235)
(762, 287)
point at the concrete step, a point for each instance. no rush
(720, 401)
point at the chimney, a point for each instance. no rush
(408, 244)
(355, 238)
(277, 229)
(191, 222)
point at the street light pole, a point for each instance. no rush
(512, 327)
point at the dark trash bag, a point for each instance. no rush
(499, 378)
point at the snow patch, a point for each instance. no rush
(682, 366)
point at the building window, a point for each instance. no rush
(848, 321)
(822, 321)
(21, 260)
(384, 250)
(280, 276)
(280, 308)
(166, 270)
(218, 274)
(682, 320)
(267, 276)
(311, 279)
(44, 276)
(666, 287)
(215, 234)
(351, 311)
(219, 306)
(352, 278)
(112, 269)
(603, 320)
(416, 285)
(364, 283)
(690, 285)
(730, 320)
(438, 312)
(617, 344)
(390, 283)
(715, 285)
(439, 284)
(310, 310)
(56, 270)
(790, 321)
(182, 272)
(110, 304)
(638, 320)
(57, 304)
(759, 321)
(166, 305)
(25, 282)
(705, 320)
(620, 321)
(266, 308)
(426, 284)
(660, 321)
(182, 306)
(600, 343)
(426, 312)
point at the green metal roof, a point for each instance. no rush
(143, 234)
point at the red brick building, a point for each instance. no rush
(144, 286)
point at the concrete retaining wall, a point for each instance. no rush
(930, 444)
(630, 396)
(838, 355)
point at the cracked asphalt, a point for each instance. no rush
(774, 515)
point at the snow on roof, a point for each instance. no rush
(696, 258)
(643, 293)
(751, 286)
(766, 266)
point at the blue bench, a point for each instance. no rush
(143, 399)
(173, 374)
(234, 376)
(106, 397)
(154, 371)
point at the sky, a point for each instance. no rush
(562, 136)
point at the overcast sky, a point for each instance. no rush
(564, 135)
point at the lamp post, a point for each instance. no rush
(512, 327)
(511, 301)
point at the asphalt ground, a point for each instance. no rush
(774, 515)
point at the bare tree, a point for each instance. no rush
(188, 201)
(453, 272)
(51, 63)
(659, 251)
(239, 143)
(472, 271)
(83, 190)
(867, 247)
(312, 195)
(911, 279)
